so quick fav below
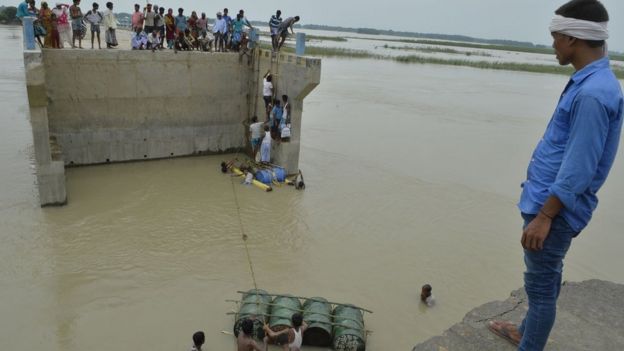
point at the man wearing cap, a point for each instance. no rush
(569, 165)
(219, 29)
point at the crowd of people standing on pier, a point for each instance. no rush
(153, 28)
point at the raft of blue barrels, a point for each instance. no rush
(340, 326)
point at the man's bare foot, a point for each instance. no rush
(506, 330)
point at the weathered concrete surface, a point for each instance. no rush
(114, 105)
(50, 170)
(590, 316)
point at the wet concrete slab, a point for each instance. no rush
(590, 316)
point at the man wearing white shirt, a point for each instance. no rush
(219, 30)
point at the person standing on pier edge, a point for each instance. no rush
(77, 27)
(110, 25)
(137, 18)
(568, 166)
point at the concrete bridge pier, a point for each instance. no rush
(295, 76)
(95, 107)
(49, 164)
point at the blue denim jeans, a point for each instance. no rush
(542, 282)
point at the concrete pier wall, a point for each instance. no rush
(92, 107)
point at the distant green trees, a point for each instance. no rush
(7, 15)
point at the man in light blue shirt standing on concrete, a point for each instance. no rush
(569, 165)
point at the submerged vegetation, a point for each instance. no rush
(324, 38)
(525, 49)
(433, 49)
(506, 66)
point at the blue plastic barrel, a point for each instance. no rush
(280, 174)
(264, 176)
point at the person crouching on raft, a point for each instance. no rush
(290, 339)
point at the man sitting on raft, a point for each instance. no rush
(290, 339)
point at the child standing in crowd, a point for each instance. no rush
(94, 18)
(55, 33)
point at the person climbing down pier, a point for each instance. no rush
(275, 119)
(274, 23)
(267, 92)
(290, 339)
(245, 341)
(265, 148)
(255, 130)
(283, 29)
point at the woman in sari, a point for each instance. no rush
(45, 16)
(171, 28)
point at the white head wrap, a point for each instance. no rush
(581, 29)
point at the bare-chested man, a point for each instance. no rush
(245, 341)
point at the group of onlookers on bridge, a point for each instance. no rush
(152, 28)
(68, 24)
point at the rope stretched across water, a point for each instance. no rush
(244, 236)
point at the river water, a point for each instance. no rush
(412, 175)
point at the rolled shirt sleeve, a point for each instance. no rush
(589, 128)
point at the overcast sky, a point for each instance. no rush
(523, 20)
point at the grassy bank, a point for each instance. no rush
(324, 38)
(506, 66)
(433, 49)
(531, 50)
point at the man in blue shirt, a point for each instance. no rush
(23, 9)
(569, 165)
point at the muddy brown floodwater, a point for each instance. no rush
(412, 176)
